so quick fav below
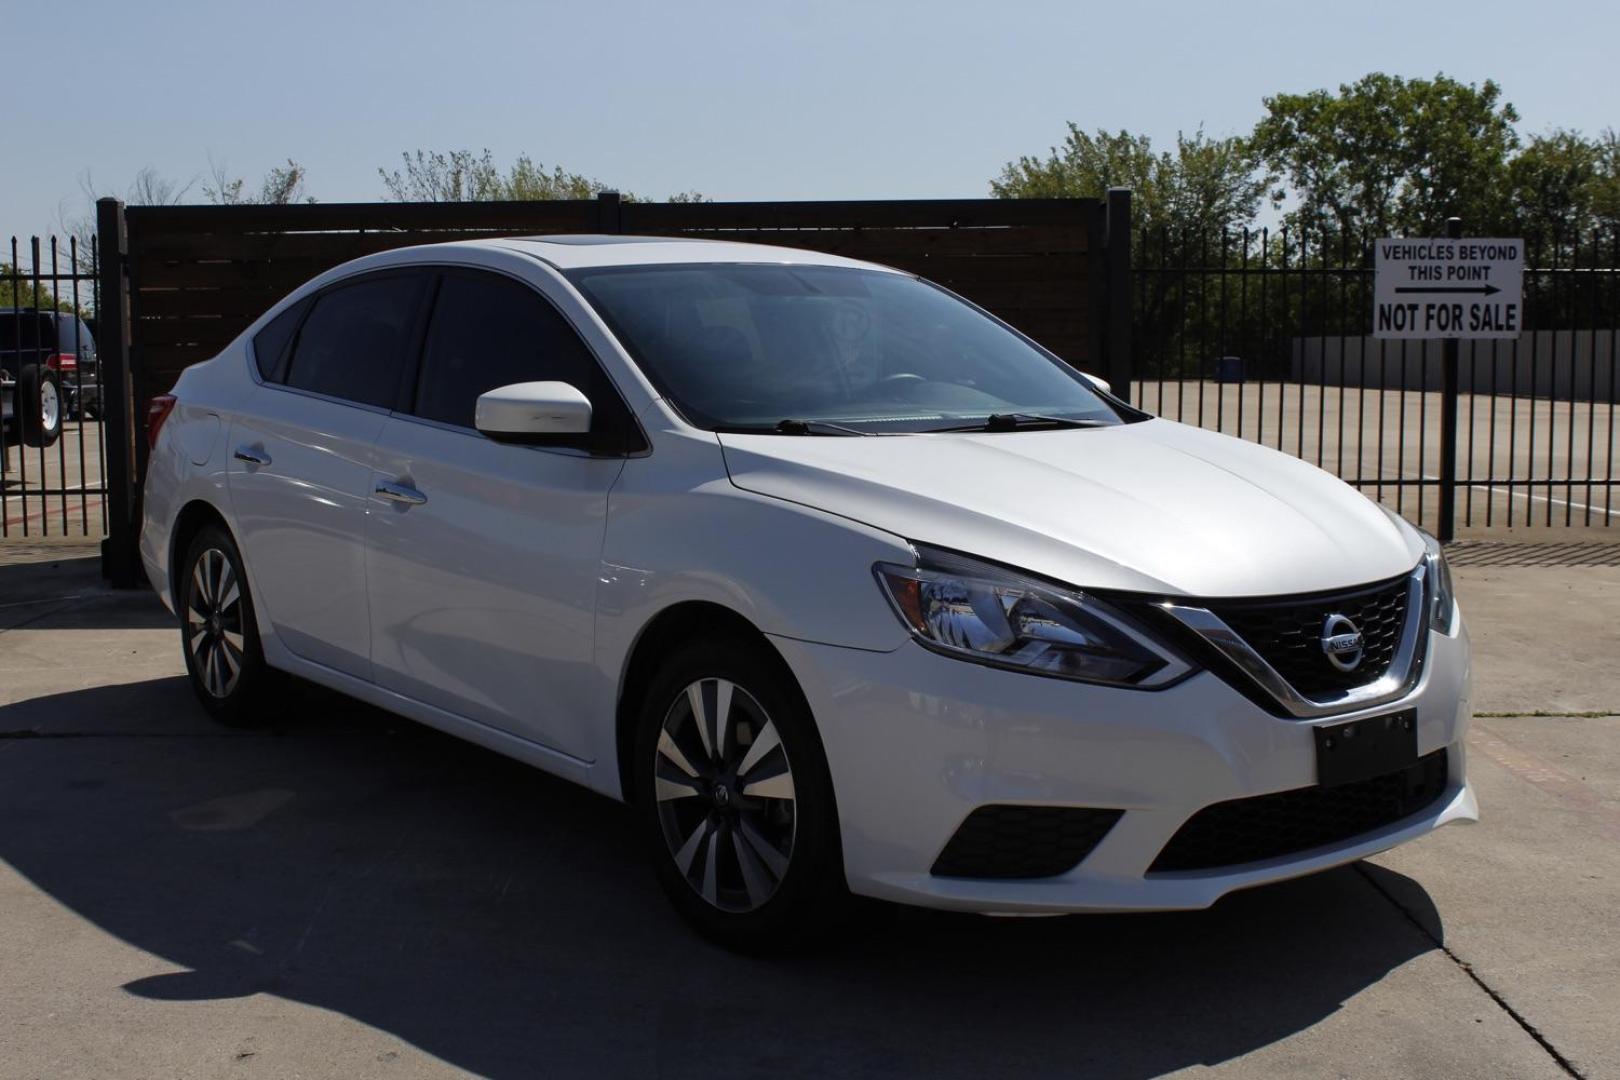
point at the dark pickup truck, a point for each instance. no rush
(48, 371)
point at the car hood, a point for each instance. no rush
(1153, 506)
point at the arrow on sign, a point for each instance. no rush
(1446, 290)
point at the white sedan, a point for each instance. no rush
(846, 584)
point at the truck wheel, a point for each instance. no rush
(38, 408)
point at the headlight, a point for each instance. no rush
(976, 611)
(1442, 601)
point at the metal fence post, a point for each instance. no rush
(1118, 264)
(1449, 396)
(118, 554)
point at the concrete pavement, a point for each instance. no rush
(353, 895)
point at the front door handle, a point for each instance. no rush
(400, 493)
(251, 455)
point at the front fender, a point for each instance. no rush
(678, 530)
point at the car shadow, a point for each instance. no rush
(506, 922)
(65, 584)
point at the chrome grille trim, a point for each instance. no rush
(1395, 683)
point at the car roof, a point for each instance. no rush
(576, 252)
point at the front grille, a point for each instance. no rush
(1288, 633)
(1288, 822)
(1023, 841)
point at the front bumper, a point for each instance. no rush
(916, 741)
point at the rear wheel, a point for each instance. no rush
(736, 799)
(218, 633)
(39, 405)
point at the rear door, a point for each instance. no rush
(301, 468)
(483, 586)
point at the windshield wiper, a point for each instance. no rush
(814, 427)
(1015, 420)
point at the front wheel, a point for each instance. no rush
(218, 632)
(736, 798)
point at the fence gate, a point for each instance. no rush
(183, 281)
(1267, 336)
(51, 454)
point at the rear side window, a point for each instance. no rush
(271, 345)
(353, 343)
(73, 336)
(488, 331)
(27, 330)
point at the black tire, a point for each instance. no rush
(809, 897)
(39, 407)
(218, 635)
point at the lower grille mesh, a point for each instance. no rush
(1023, 841)
(1288, 822)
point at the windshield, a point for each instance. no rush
(746, 347)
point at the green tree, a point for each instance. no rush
(1606, 183)
(17, 290)
(463, 176)
(1554, 181)
(1205, 186)
(281, 186)
(1387, 155)
(1188, 205)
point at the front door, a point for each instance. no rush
(484, 556)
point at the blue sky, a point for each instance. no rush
(740, 100)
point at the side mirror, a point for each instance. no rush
(1099, 382)
(533, 412)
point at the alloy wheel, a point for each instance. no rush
(724, 787)
(214, 623)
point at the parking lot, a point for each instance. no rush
(350, 894)
(71, 470)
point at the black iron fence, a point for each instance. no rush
(52, 471)
(1267, 335)
(1262, 334)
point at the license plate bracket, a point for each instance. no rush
(1362, 749)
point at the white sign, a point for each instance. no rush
(1465, 288)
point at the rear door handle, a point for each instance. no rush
(251, 455)
(400, 493)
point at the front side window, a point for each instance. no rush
(353, 343)
(745, 347)
(487, 331)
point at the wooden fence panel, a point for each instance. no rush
(199, 275)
